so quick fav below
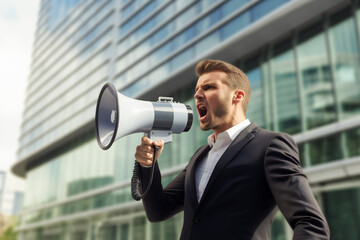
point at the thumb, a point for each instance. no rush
(158, 143)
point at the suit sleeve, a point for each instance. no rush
(292, 191)
(161, 203)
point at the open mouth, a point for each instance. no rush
(202, 110)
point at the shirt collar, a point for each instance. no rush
(230, 133)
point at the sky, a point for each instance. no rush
(18, 20)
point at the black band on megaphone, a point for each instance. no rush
(190, 118)
(163, 116)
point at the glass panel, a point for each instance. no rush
(155, 231)
(318, 92)
(255, 110)
(124, 232)
(138, 230)
(286, 89)
(264, 7)
(344, 41)
(342, 211)
(78, 236)
(145, 11)
(302, 155)
(169, 229)
(108, 233)
(325, 149)
(206, 43)
(352, 138)
(235, 25)
(278, 228)
(59, 9)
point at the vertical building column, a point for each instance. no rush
(267, 86)
(303, 121)
(272, 90)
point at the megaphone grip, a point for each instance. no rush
(136, 185)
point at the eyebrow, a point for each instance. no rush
(205, 82)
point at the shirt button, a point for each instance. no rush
(196, 219)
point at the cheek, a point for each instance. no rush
(220, 106)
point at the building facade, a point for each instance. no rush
(302, 58)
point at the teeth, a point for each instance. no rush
(202, 110)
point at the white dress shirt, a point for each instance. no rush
(207, 165)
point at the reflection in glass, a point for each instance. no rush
(124, 231)
(278, 227)
(347, 63)
(342, 212)
(107, 232)
(255, 110)
(286, 89)
(352, 142)
(316, 78)
(138, 231)
(264, 7)
(325, 149)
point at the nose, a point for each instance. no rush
(198, 94)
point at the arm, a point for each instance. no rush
(292, 191)
(160, 203)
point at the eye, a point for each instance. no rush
(207, 87)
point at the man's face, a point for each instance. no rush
(213, 98)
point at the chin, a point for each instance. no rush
(204, 127)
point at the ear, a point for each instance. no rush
(239, 96)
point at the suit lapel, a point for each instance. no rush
(190, 183)
(235, 147)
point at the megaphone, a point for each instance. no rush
(117, 116)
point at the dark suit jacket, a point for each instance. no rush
(259, 172)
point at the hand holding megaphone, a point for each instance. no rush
(145, 151)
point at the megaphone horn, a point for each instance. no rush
(117, 116)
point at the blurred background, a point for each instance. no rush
(17, 27)
(302, 58)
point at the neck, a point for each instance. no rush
(225, 127)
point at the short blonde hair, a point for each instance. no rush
(237, 79)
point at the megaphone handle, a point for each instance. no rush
(136, 186)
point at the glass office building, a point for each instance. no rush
(303, 62)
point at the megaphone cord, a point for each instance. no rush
(136, 186)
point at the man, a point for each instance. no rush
(233, 187)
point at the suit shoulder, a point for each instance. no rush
(273, 135)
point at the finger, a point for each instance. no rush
(145, 154)
(143, 161)
(145, 148)
(160, 144)
(146, 141)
